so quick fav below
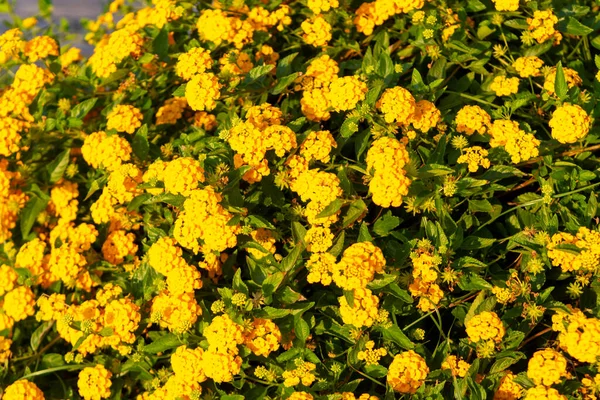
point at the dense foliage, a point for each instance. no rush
(301, 200)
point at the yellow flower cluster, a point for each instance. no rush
(319, 6)
(94, 383)
(202, 91)
(118, 245)
(11, 44)
(520, 145)
(571, 76)
(425, 275)
(508, 389)
(103, 151)
(221, 360)
(300, 396)
(182, 175)
(196, 61)
(12, 199)
(263, 337)
(587, 260)
(541, 26)
(547, 367)
(204, 218)
(301, 374)
(320, 73)
(124, 118)
(317, 32)
(23, 390)
(386, 158)
(40, 47)
(371, 355)
(471, 119)
(397, 105)
(456, 365)
(504, 86)
(5, 352)
(171, 111)
(358, 266)
(370, 15)
(176, 312)
(506, 5)
(345, 93)
(528, 66)
(18, 303)
(581, 337)
(317, 146)
(407, 372)
(320, 267)
(569, 123)
(543, 393)
(474, 157)
(485, 326)
(425, 116)
(364, 310)
(216, 26)
(112, 50)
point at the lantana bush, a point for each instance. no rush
(301, 199)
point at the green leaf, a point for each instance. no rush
(45, 7)
(165, 342)
(56, 169)
(52, 360)
(574, 27)
(475, 242)
(139, 144)
(180, 91)
(83, 108)
(270, 285)
(471, 281)
(400, 293)
(301, 329)
(396, 335)
(238, 284)
(560, 83)
(36, 204)
(505, 362)
(284, 82)
(232, 397)
(382, 282)
(363, 233)
(257, 73)
(387, 223)
(284, 67)
(39, 333)
(160, 44)
(349, 127)
(272, 313)
(355, 211)
(331, 209)
(289, 262)
(376, 371)
(597, 60)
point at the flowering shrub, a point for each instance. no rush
(322, 199)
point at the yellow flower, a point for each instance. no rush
(504, 86)
(196, 61)
(456, 365)
(371, 355)
(541, 26)
(41, 47)
(407, 372)
(506, 5)
(397, 105)
(124, 118)
(202, 91)
(547, 367)
(358, 266)
(317, 32)
(474, 157)
(543, 393)
(571, 76)
(485, 326)
(94, 383)
(569, 123)
(528, 66)
(508, 389)
(471, 119)
(19, 303)
(23, 390)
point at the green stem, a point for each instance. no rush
(467, 96)
(52, 370)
